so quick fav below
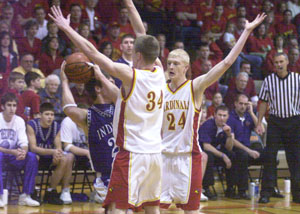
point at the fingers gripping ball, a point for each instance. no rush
(77, 70)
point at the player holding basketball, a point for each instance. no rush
(136, 176)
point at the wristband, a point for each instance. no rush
(67, 148)
(69, 105)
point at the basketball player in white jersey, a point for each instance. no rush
(181, 154)
(136, 176)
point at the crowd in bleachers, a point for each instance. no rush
(32, 49)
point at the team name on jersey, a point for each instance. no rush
(7, 134)
(105, 130)
(176, 104)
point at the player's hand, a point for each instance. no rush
(257, 21)
(227, 130)
(227, 161)
(260, 129)
(63, 75)
(254, 154)
(57, 155)
(57, 16)
(97, 72)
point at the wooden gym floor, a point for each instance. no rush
(221, 206)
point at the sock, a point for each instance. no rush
(49, 189)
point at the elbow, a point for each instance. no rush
(228, 62)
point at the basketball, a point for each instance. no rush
(77, 70)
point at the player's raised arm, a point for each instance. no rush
(119, 70)
(137, 23)
(203, 81)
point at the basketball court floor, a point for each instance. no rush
(221, 206)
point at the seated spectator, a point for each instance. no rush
(40, 15)
(203, 55)
(14, 150)
(113, 36)
(260, 44)
(16, 85)
(270, 25)
(164, 52)
(230, 10)
(92, 16)
(50, 94)
(26, 65)
(30, 97)
(178, 44)
(229, 38)
(213, 88)
(29, 43)
(286, 27)
(125, 26)
(73, 139)
(106, 48)
(51, 59)
(8, 16)
(215, 52)
(293, 6)
(84, 30)
(53, 32)
(292, 42)
(279, 48)
(294, 61)
(217, 141)
(8, 60)
(75, 16)
(81, 95)
(44, 140)
(281, 7)
(242, 121)
(216, 102)
(216, 23)
(240, 87)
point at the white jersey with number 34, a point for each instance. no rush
(138, 117)
(181, 121)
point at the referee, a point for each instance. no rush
(281, 90)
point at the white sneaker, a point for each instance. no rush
(203, 197)
(65, 196)
(98, 198)
(26, 200)
(1, 201)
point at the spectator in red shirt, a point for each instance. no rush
(16, 86)
(205, 9)
(75, 17)
(212, 89)
(84, 30)
(286, 27)
(216, 101)
(125, 26)
(11, 20)
(230, 10)
(203, 55)
(270, 25)
(51, 59)
(81, 95)
(113, 36)
(292, 42)
(164, 52)
(279, 48)
(8, 60)
(106, 48)
(30, 44)
(53, 32)
(294, 61)
(30, 97)
(91, 15)
(240, 87)
(216, 23)
(24, 11)
(215, 52)
(281, 7)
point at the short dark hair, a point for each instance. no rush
(148, 46)
(38, 8)
(90, 87)
(128, 35)
(240, 95)
(74, 5)
(8, 97)
(245, 63)
(222, 108)
(287, 10)
(30, 24)
(280, 54)
(13, 76)
(30, 76)
(46, 107)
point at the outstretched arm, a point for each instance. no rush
(137, 23)
(119, 70)
(202, 82)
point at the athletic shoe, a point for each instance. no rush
(203, 197)
(1, 201)
(98, 198)
(26, 200)
(52, 197)
(65, 196)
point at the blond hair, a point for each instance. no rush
(182, 54)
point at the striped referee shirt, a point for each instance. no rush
(282, 94)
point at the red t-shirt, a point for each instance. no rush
(211, 90)
(196, 68)
(215, 26)
(48, 65)
(286, 29)
(258, 45)
(32, 100)
(182, 7)
(24, 47)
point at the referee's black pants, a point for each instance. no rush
(287, 132)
